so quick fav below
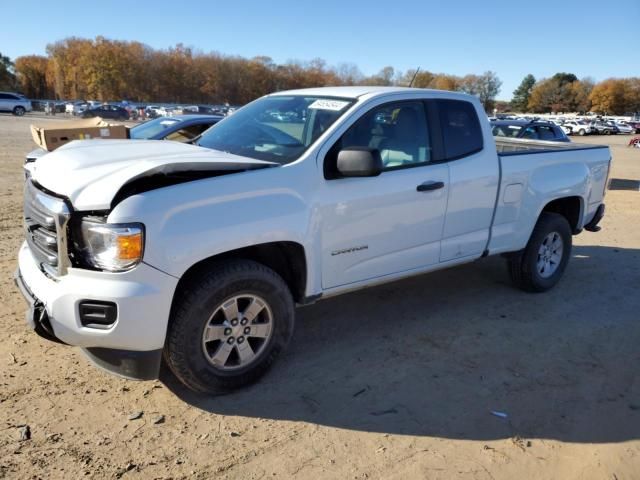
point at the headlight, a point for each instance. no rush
(112, 247)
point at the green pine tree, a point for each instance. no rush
(520, 100)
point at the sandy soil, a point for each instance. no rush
(393, 382)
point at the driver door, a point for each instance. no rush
(392, 223)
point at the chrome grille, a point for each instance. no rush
(45, 222)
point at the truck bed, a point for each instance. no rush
(519, 146)
(529, 182)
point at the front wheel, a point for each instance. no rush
(582, 132)
(228, 326)
(541, 264)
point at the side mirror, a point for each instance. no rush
(359, 162)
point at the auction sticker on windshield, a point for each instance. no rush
(328, 104)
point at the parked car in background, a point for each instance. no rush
(635, 126)
(565, 129)
(76, 108)
(180, 128)
(603, 128)
(622, 127)
(151, 111)
(578, 127)
(15, 103)
(535, 130)
(200, 110)
(107, 111)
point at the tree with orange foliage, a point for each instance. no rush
(616, 96)
(31, 71)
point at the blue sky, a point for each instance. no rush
(588, 38)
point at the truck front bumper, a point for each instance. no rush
(130, 346)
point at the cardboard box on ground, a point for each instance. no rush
(52, 137)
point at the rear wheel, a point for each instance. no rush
(543, 261)
(582, 132)
(228, 326)
(19, 111)
(607, 132)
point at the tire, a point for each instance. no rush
(525, 266)
(19, 111)
(582, 132)
(204, 305)
(607, 132)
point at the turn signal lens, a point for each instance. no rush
(112, 247)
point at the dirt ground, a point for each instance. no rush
(393, 382)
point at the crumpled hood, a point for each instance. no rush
(91, 172)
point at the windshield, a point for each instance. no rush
(277, 129)
(151, 128)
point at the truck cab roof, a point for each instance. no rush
(359, 91)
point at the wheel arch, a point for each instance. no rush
(571, 208)
(288, 259)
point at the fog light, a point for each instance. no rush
(98, 314)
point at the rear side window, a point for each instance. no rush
(461, 133)
(548, 133)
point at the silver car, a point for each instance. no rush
(14, 103)
(623, 127)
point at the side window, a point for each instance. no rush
(546, 133)
(397, 130)
(461, 132)
(531, 133)
(187, 133)
(4, 96)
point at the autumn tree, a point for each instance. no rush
(580, 91)
(470, 84)
(616, 96)
(442, 81)
(421, 79)
(488, 89)
(521, 95)
(105, 69)
(69, 66)
(31, 73)
(348, 74)
(7, 76)
(384, 77)
(561, 93)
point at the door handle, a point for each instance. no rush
(428, 186)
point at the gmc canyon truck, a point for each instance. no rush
(139, 251)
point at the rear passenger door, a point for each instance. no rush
(473, 179)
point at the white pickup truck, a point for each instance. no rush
(143, 250)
